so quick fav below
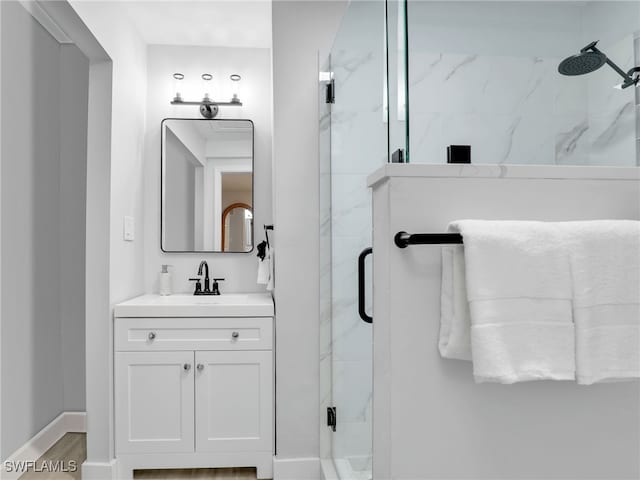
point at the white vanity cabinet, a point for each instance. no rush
(194, 391)
(154, 402)
(233, 401)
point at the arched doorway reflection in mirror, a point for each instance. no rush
(237, 228)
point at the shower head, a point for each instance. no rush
(591, 59)
(588, 60)
(582, 63)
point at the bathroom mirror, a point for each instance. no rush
(207, 185)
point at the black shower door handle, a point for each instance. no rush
(361, 299)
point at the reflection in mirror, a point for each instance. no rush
(207, 185)
(236, 228)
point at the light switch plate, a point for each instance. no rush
(129, 229)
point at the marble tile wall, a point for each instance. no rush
(519, 110)
(516, 108)
(611, 134)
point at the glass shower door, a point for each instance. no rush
(358, 132)
(358, 139)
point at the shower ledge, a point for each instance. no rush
(563, 172)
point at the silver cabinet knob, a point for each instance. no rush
(186, 367)
(152, 335)
(200, 367)
(235, 334)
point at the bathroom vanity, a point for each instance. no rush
(194, 382)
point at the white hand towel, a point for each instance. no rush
(519, 292)
(605, 266)
(263, 271)
(455, 323)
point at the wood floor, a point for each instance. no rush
(73, 447)
(70, 448)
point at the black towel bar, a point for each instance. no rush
(404, 239)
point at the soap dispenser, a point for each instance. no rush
(165, 281)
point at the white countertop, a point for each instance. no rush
(503, 171)
(187, 305)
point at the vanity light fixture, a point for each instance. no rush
(208, 107)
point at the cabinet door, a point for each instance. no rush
(234, 401)
(154, 402)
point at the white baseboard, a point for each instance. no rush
(99, 471)
(43, 440)
(296, 468)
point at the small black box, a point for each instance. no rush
(398, 156)
(459, 154)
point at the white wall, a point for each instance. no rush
(74, 91)
(2, 42)
(111, 27)
(179, 213)
(44, 119)
(239, 270)
(190, 138)
(32, 381)
(300, 30)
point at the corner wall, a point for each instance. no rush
(108, 23)
(300, 30)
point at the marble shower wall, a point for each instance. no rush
(493, 84)
(611, 124)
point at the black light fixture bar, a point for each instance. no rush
(208, 102)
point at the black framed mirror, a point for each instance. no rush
(207, 185)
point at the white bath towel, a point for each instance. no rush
(605, 266)
(519, 291)
(455, 323)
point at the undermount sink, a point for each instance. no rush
(185, 305)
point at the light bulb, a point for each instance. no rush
(235, 87)
(177, 78)
(206, 82)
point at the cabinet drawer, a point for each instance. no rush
(149, 334)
